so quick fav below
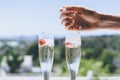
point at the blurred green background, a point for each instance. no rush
(100, 54)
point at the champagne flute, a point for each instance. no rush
(46, 53)
(73, 52)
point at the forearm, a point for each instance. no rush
(109, 21)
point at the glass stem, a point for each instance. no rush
(72, 75)
(46, 75)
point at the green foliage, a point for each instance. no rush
(33, 50)
(107, 56)
(102, 48)
(88, 53)
(0, 58)
(64, 68)
(95, 66)
(117, 71)
(14, 59)
(57, 55)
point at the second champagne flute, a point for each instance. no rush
(46, 54)
(73, 52)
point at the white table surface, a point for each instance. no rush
(37, 78)
(53, 78)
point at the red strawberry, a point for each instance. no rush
(68, 44)
(42, 42)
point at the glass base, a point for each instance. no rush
(46, 75)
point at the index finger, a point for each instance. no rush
(72, 8)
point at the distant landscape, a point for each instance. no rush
(100, 54)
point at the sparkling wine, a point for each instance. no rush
(46, 54)
(73, 58)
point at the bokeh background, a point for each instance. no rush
(21, 21)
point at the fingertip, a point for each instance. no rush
(62, 8)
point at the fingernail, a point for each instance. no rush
(64, 9)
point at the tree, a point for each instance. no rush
(107, 57)
(0, 58)
(14, 59)
(88, 53)
(33, 50)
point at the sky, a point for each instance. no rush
(31, 17)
